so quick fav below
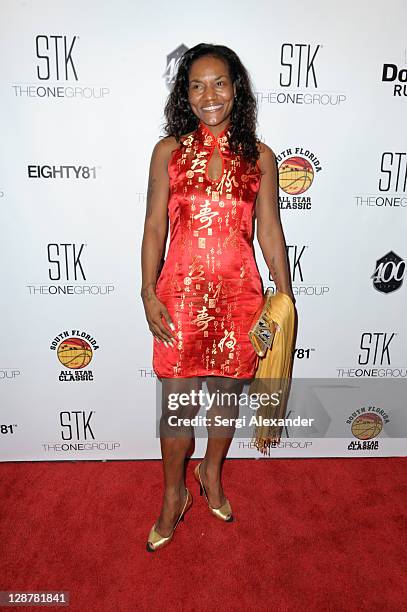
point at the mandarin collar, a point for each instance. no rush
(207, 136)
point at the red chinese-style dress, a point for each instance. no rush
(209, 282)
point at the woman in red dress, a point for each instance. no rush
(209, 176)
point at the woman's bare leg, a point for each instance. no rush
(219, 437)
(175, 443)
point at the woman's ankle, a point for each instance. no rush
(211, 471)
(174, 493)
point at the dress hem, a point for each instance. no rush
(204, 375)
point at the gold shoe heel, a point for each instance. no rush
(156, 540)
(224, 512)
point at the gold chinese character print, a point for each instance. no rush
(209, 282)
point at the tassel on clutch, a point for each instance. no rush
(262, 331)
(272, 337)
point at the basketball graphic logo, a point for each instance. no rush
(74, 353)
(296, 175)
(367, 426)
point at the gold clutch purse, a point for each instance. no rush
(262, 331)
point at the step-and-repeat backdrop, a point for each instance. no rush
(83, 87)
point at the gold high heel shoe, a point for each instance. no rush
(224, 512)
(156, 540)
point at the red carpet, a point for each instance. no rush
(309, 534)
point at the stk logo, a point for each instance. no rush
(374, 348)
(76, 425)
(65, 261)
(54, 54)
(389, 273)
(295, 252)
(298, 62)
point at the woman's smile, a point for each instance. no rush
(212, 108)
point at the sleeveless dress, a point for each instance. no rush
(209, 282)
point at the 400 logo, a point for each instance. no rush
(366, 423)
(389, 273)
(172, 62)
(75, 352)
(296, 170)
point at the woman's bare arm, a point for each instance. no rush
(156, 218)
(155, 230)
(269, 231)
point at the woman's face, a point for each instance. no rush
(211, 91)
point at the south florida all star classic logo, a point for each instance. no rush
(75, 352)
(297, 168)
(366, 423)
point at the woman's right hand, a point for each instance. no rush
(155, 310)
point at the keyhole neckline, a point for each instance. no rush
(208, 178)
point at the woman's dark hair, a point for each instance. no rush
(180, 118)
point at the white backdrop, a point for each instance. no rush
(83, 86)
